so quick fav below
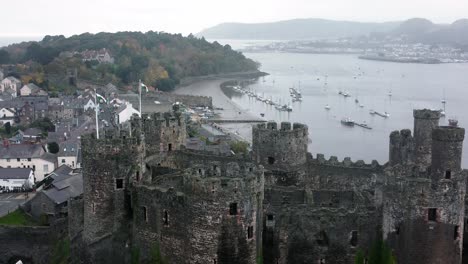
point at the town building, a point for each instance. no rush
(16, 179)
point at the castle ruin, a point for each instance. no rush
(147, 197)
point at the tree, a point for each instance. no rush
(8, 128)
(380, 253)
(4, 56)
(53, 147)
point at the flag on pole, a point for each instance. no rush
(101, 98)
(144, 86)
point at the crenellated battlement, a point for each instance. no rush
(426, 114)
(448, 134)
(272, 127)
(283, 146)
(167, 119)
(345, 163)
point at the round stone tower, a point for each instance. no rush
(447, 147)
(109, 165)
(427, 209)
(425, 121)
(283, 147)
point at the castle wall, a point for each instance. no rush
(202, 225)
(324, 215)
(31, 244)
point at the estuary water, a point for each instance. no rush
(381, 86)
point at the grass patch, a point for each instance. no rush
(17, 218)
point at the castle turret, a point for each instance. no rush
(424, 211)
(401, 147)
(447, 146)
(110, 164)
(283, 147)
(164, 132)
(425, 121)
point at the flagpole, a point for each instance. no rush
(139, 88)
(96, 110)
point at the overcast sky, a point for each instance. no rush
(41, 17)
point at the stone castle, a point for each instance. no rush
(148, 199)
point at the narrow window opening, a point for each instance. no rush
(169, 147)
(233, 208)
(250, 232)
(456, 233)
(144, 213)
(250, 169)
(432, 214)
(166, 218)
(215, 169)
(397, 230)
(138, 175)
(354, 238)
(199, 171)
(270, 217)
(93, 208)
(119, 183)
(448, 175)
(271, 160)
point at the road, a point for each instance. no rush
(10, 201)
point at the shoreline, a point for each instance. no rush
(230, 110)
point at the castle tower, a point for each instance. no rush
(425, 121)
(109, 166)
(447, 147)
(280, 148)
(424, 212)
(164, 132)
(401, 147)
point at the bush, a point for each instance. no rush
(53, 147)
(240, 147)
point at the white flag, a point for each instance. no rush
(144, 86)
(101, 98)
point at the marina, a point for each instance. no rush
(322, 107)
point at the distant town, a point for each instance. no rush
(394, 50)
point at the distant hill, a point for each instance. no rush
(296, 29)
(157, 58)
(423, 30)
(415, 30)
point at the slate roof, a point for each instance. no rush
(63, 189)
(15, 173)
(22, 151)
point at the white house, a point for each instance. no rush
(31, 89)
(31, 156)
(16, 179)
(10, 83)
(68, 154)
(7, 115)
(125, 112)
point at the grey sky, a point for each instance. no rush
(41, 17)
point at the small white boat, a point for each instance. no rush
(327, 107)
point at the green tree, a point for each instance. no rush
(4, 56)
(380, 253)
(8, 128)
(53, 147)
(240, 147)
